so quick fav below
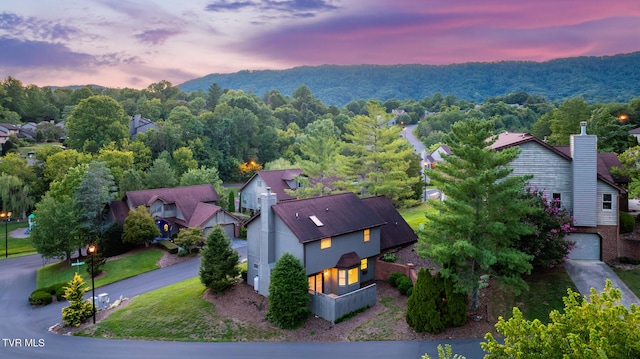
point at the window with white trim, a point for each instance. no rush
(342, 277)
(607, 201)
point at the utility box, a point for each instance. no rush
(102, 301)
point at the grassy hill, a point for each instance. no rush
(595, 79)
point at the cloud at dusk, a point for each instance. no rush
(133, 44)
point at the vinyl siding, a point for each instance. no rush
(607, 217)
(551, 172)
(319, 259)
(585, 161)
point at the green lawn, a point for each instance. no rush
(630, 277)
(546, 290)
(119, 269)
(17, 246)
(178, 313)
(415, 215)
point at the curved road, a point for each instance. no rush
(23, 329)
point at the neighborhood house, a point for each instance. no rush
(337, 239)
(579, 178)
(179, 207)
(277, 180)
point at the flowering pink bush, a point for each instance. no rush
(552, 223)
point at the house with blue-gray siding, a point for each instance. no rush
(579, 178)
(337, 239)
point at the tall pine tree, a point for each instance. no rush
(378, 157)
(473, 230)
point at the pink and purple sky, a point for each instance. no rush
(133, 43)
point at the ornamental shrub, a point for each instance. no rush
(404, 283)
(552, 223)
(79, 308)
(40, 297)
(219, 262)
(288, 293)
(454, 310)
(394, 278)
(627, 222)
(422, 307)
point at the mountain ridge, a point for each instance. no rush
(601, 79)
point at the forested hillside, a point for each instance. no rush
(594, 79)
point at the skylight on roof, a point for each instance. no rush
(316, 221)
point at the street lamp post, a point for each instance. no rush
(6, 216)
(92, 250)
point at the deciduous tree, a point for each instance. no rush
(55, 234)
(96, 122)
(598, 327)
(139, 226)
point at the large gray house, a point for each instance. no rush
(277, 180)
(579, 177)
(337, 239)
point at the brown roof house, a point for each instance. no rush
(277, 180)
(336, 238)
(179, 207)
(578, 176)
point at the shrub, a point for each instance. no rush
(219, 263)
(409, 291)
(627, 222)
(454, 312)
(423, 313)
(389, 257)
(629, 260)
(56, 289)
(394, 278)
(40, 297)
(111, 244)
(243, 271)
(168, 246)
(288, 293)
(79, 308)
(98, 262)
(404, 283)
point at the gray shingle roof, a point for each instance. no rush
(338, 214)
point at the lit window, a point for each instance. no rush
(367, 235)
(364, 264)
(342, 277)
(325, 243)
(607, 201)
(353, 275)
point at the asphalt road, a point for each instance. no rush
(23, 329)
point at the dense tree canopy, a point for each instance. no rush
(95, 122)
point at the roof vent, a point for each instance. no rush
(297, 215)
(327, 210)
(316, 221)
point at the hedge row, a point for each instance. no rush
(169, 246)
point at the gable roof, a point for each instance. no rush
(203, 212)
(276, 179)
(185, 198)
(336, 214)
(605, 160)
(635, 131)
(396, 232)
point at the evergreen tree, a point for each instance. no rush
(79, 308)
(232, 202)
(424, 304)
(218, 266)
(454, 313)
(288, 293)
(472, 232)
(378, 157)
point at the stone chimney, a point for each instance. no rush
(267, 241)
(584, 152)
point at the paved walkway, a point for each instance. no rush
(593, 274)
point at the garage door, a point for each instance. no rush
(587, 246)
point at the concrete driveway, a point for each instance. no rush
(593, 274)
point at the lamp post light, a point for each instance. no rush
(92, 250)
(6, 217)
